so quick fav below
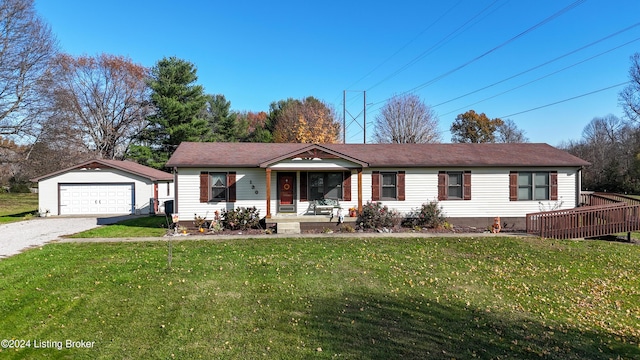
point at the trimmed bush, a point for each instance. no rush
(430, 215)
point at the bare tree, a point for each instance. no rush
(610, 145)
(508, 132)
(406, 119)
(630, 95)
(26, 47)
(104, 97)
(44, 155)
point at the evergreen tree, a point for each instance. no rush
(225, 125)
(178, 103)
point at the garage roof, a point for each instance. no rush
(122, 165)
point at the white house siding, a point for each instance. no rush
(489, 192)
(248, 181)
(48, 188)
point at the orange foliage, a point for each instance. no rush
(307, 121)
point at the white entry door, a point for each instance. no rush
(81, 199)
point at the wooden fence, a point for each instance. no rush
(606, 216)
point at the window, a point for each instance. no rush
(325, 185)
(388, 186)
(217, 186)
(531, 185)
(454, 185)
(218, 182)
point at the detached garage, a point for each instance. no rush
(104, 187)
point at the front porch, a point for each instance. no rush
(297, 179)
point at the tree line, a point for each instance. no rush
(57, 109)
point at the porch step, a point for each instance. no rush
(288, 228)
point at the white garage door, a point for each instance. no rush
(78, 199)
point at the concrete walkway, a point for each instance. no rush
(19, 236)
(276, 236)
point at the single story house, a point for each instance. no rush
(99, 187)
(473, 183)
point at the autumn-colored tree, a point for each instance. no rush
(26, 48)
(406, 119)
(104, 98)
(255, 120)
(472, 127)
(304, 121)
(257, 126)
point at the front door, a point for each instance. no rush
(286, 192)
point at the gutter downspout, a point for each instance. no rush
(175, 191)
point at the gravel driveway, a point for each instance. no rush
(18, 236)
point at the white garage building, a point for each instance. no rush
(101, 187)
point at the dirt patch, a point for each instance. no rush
(347, 229)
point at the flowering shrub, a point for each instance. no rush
(240, 218)
(375, 216)
(429, 215)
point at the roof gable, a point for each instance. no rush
(122, 165)
(313, 151)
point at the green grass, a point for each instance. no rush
(138, 227)
(380, 298)
(16, 207)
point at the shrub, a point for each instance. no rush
(199, 221)
(240, 218)
(429, 215)
(18, 184)
(347, 228)
(374, 215)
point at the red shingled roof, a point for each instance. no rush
(192, 154)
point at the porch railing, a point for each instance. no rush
(603, 198)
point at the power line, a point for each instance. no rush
(452, 35)
(540, 78)
(512, 39)
(407, 44)
(565, 100)
(546, 63)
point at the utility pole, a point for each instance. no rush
(355, 118)
(364, 115)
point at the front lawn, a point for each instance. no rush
(299, 298)
(16, 207)
(150, 226)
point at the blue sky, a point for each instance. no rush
(500, 57)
